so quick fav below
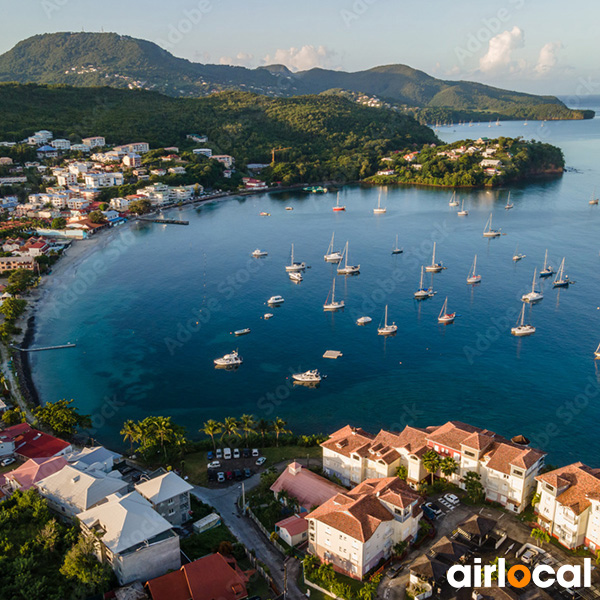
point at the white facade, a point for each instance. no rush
(94, 142)
(102, 180)
(61, 144)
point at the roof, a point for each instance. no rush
(477, 525)
(32, 443)
(429, 568)
(294, 525)
(449, 550)
(207, 578)
(575, 484)
(163, 487)
(127, 521)
(35, 469)
(90, 456)
(348, 440)
(81, 489)
(307, 487)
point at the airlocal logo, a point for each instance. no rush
(519, 576)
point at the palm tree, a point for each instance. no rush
(131, 431)
(248, 423)
(162, 428)
(279, 427)
(535, 500)
(263, 426)
(431, 462)
(541, 535)
(230, 427)
(211, 428)
(448, 466)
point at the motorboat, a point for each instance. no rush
(363, 320)
(275, 300)
(307, 377)
(517, 256)
(259, 253)
(268, 316)
(239, 332)
(295, 276)
(229, 360)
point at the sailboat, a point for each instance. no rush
(337, 207)
(521, 329)
(547, 270)
(387, 329)
(294, 266)
(422, 293)
(561, 280)
(379, 210)
(396, 249)
(533, 296)
(594, 200)
(434, 267)
(332, 305)
(453, 200)
(332, 256)
(597, 353)
(473, 277)
(498, 123)
(445, 317)
(517, 255)
(462, 212)
(348, 269)
(508, 204)
(488, 231)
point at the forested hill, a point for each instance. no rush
(323, 136)
(97, 59)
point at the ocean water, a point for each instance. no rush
(151, 311)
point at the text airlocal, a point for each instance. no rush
(519, 576)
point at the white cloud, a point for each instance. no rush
(548, 58)
(242, 59)
(301, 59)
(499, 56)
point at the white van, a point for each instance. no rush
(227, 453)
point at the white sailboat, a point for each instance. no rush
(294, 266)
(547, 270)
(348, 269)
(594, 200)
(561, 280)
(453, 200)
(488, 231)
(535, 295)
(445, 317)
(462, 212)
(396, 249)
(597, 353)
(379, 210)
(422, 293)
(332, 256)
(332, 305)
(521, 329)
(517, 256)
(473, 277)
(508, 204)
(387, 329)
(434, 267)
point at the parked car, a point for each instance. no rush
(229, 475)
(220, 477)
(238, 474)
(451, 498)
(246, 452)
(433, 508)
(247, 473)
(529, 556)
(219, 453)
(212, 475)
(8, 461)
(227, 453)
(428, 514)
(261, 461)
(210, 456)
(395, 570)
(215, 464)
(236, 453)
(255, 452)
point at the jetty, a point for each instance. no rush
(164, 221)
(41, 349)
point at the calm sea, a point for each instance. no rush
(151, 311)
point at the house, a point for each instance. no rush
(5, 160)
(31, 443)
(476, 529)
(61, 144)
(158, 172)
(177, 170)
(224, 159)
(47, 152)
(40, 137)
(102, 180)
(29, 473)
(71, 491)
(490, 162)
(386, 172)
(308, 488)
(34, 248)
(203, 151)
(354, 530)
(97, 458)
(211, 577)
(80, 148)
(65, 178)
(169, 495)
(132, 160)
(132, 537)
(569, 505)
(252, 183)
(137, 148)
(120, 204)
(293, 530)
(94, 142)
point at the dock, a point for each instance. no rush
(59, 347)
(164, 221)
(333, 354)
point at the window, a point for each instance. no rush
(171, 501)
(327, 530)
(517, 472)
(548, 487)
(328, 542)
(171, 512)
(469, 453)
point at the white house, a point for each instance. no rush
(61, 144)
(490, 162)
(204, 151)
(101, 180)
(94, 142)
(136, 147)
(169, 495)
(225, 159)
(132, 160)
(120, 204)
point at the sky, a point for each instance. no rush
(539, 46)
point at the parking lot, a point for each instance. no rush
(232, 464)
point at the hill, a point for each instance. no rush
(98, 59)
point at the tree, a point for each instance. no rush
(448, 466)
(540, 535)
(59, 223)
(103, 206)
(96, 216)
(61, 418)
(230, 427)
(431, 462)
(279, 427)
(402, 472)
(13, 416)
(20, 280)
(163, 430)
(535, 500)
(12, 308)
(81, 564)
(247, 423)
(211, 428)
(140, 207)
(131, 432)
(263, 427)
(472, 481)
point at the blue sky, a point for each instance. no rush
(542, 46)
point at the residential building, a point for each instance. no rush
(132, 537)
(355, 530)
(177, 170)
(47, 152)
(30, 472)
(184, 192)
(71, 491)
(80, 148)
(569, 505)
(491, 162)
(29, 442)
(204, 151)
(97, 458)
(5, 160)
(61, 144)
(293, 530)
(65, 178)
(308, 488)
(40, 137)
(199, 139)
(102, 180)
(158, 172)
(120, 204)
(137, 148)
(132, 160)
(79, 168)
(10, 263)
(224, 159)
(213, 576)
(169, 495)
(94, 142)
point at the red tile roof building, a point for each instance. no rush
(31, 443)
(29, 473)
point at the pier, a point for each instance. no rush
(164, 221)
(60, 347)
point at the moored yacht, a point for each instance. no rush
(445, 317)
(488, 231)
(307, 377)
(331, 304)
(422, 293)
(547, 269)
(295, 276)
(332, 256)
(534, 295)
(259, 253)
(295, 266)
(275, 300)
(229, 360)
(521, 330)
(363, 320)
(387, 329)
(348, 269)
(434, 267)
(561, 280)
(462, 212)
(379, 210)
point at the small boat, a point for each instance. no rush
(275, 300)
(396, 249)
(239, 332)
(422, 293)
(289, 208)
(379, 210)
(521, 329)
(534, 295)
(333, 305)
(473, 277)
(363, 320)
(597, 353)
(547, 269)
(229, 360)
(315, 189)
(462, 212)
(594, 200)
(434, 267)
(268, 316)
(264, 214)
(337, 207)
(387, 329)
(508, 204)
(445, 317)
(332, 256)
(561, 279)
(488, 231)
(307, 377)
(259, 253)
(453, 200)
(348, 269)
(295, 266)
(295, 276)
(517, 256)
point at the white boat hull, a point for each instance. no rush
(492, 234)
(389, 330)
(334, 257)
(295, 268)
(363, 320)
(349, 270)
(473, 280)
(532, 297)
(434, 268)
(522, 330)
(334, 306)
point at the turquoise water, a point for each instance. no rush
(151, 311)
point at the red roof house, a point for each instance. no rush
(31, 443)
(293, 530)
(32, 471)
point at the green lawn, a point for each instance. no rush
(200, 544)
